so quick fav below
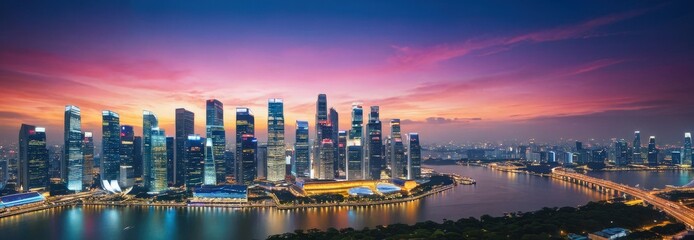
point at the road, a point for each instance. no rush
(681, 213)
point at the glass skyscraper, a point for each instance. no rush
(215, 131)
(127, 147)
(327, 159)
(245, 130)
(210, 173)
(73, 158)
(355, 155)
(158, 174)
(374, 155)
(195, 161)
(341, 153)
(301, 167)
(687, 151)
(110, 145)
(170, 161)
(397, 151)
(652, 152)
(88, 155)
(185, 125)
(321, 116)
(137, 156)
(414, 157)
(149, 122)
(636, 155)
(621, 152)
(33, 158)
(276, 162)
(335, 122)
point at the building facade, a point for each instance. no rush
(275, 141)
(355, 154)
(73, 159)
(33, 158)
(110, 145)
(185, 125)
(301, 167)
(195, 161)
(215, 131)
(414, 157)
(149, 122)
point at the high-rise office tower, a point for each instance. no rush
(245, 125)
(275, 140)
(137, 156)
(33, 158)
(248, 167)
(149, 122)
(127, 145)
(636, 156)
(230, 159)
(398, 167)
(676, 157)
(687, 151)
(195, 160)
(327, 159)
(210, 172)
(342, 152)
(170, 160)
(4, 173)
(73, 158)
(185, 125)
(110, 148)
(652, 152)
(335, 122)
(321, 116)
(215, 131)
(301, 167)
(355, 155)
(88, 156)
(621, 152)
(261, 161)
(374, 156)
(158, 182)
(414, 157)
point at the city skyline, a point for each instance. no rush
(473, 77)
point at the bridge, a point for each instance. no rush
(681, 213)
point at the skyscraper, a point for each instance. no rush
(621, 152)
(245, 126)
(127, 147)
(397, 151)
(185, 125)
(327, 159)
(321, 116)
(209, 172)
(275, 140)
(33, 158)
(342, 152)
(170, 160)
(88, 155)
(335, 122)
(248, 167)
(687, 151)
(137, 156)
(652, 152)
(301, 167)
(215, 131)
(414, 157)
(158, 181)
(355, 155)
(261, 161)
(149, 122)
(375, 145)
(636, 156)
(73, 158)
(110, 145)
(195, 161)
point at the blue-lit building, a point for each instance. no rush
(245, 131)
(355, 149)
(127, 145)
(652, 152)
(687, 149)
(149, 121)
(414, 157)
(301, 167)
(398, 165)
(73, 158)
(20, 199)
(195, 161)
(88, 156)
(221, 193)
(110, 157)
(170, 161)
(276, 162)
(185, 126)
(158, 177)
(209, 171)
(374, 156)
(214, 127)
(33, 158)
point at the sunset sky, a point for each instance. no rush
(453, 71)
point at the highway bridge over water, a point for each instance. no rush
(680, 212)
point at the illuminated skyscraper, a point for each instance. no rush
(636, 155)
(397, 151)
(137, 156)
(149, 122)
(676, 157)
(185, 125)
(414, 157)
(88, 155)
(195, 160)
(621, 152)
(158, 182)
(301, 167)
(245, 128)
(210, 173)
(355, 154)
(652, 152)
(33, 158)
(127, 147)
(248, 170)
(321, 116)
(374, 154)
(335, 122)
(342, 152)
(276, 165)
(110, 146)
(325, 163)
(215, 131)
(73, 158)
(170, 160)
(687, 151)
